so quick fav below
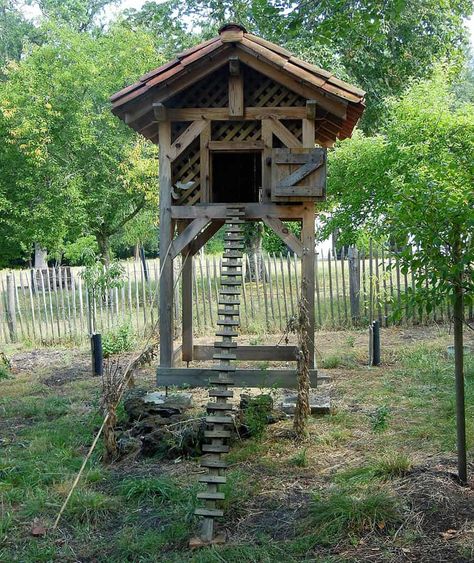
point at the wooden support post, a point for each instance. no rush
(166, 262)
(187, 306)
(307, 274)
(204, 163)
(267, 138)
(236, 89)
(11, 307)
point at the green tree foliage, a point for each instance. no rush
(15, 30)
(79, 15)
(413, 184)
(70, 167)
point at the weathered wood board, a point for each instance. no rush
(298, 174)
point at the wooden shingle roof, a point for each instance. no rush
(342, 102)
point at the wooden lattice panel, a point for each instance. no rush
(261, 91)
(210, 92)
(236, 131)
(186, 169)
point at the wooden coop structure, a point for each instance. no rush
(242, 127)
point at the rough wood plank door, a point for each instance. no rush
(298, 174)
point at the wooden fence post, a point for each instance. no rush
(11, 307)
(354, 283)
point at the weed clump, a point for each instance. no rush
(380, 418)
(340, 512)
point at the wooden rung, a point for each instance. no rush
(229, 302)
(233, 238)
(229, 312)
(212, 512)
(215, 479)
(211, 496)
(223, 368)
(213, 463)
(219, 419)
(220, 393)
(216, 448)
(227, 322)
(235, 246)
(228, 283)
(228, 291)
(225, 344)
(230, 274)
(217, 434)
(231, 333)
(219, 407)
(233, 254)
(226, 382)
(224, 357)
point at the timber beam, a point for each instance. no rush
(188, 235)
(250, 353)
(284, 233)
(253, 211)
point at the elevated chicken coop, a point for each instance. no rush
(242, 127)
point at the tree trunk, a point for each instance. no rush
(104, 248)
(459, 367)
(40, 257)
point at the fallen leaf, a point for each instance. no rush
(381, 525)
(449, 534)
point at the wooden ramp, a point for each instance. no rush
(219, 410)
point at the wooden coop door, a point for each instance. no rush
(236, 177)
(298, 174)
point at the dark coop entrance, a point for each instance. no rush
(236, 177)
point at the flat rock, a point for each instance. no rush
(319, 404)
(140, 405)
(183, 400)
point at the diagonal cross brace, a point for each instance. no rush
(188, 235)
(313, 164)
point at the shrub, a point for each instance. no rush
(118, 341)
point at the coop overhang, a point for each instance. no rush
(339, 104)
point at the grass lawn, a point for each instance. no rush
(373, 482)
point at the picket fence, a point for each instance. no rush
(352, 289)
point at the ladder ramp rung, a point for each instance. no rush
(211, 512)
(211, 496)
(214, 463)
(223, 367)
(215, 479)
(219, 407)
(227, 322)
(227, 381)
(217, 434)
(231, 333)
(216, 448)
(219, 419)
(221, 393)
(228, 312)
(224, 357)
